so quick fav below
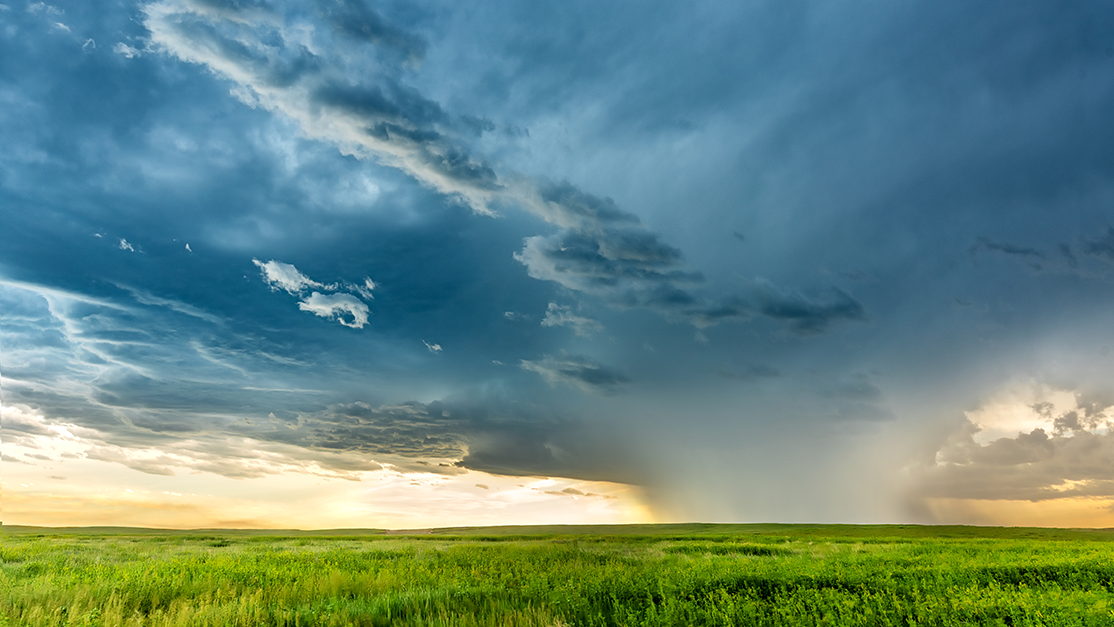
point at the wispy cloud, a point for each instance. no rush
(126, 50)
(560, 316)
(146, 298)
(577, 371)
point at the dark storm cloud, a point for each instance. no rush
(600, 250)
(596, 264)
(806, 315)
(937, 150)
(486, 434)
(411, 430)
(356, 19)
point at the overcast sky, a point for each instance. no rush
(405, 263)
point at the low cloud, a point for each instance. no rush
(807, 316)
(344, 308)
(573, 492)
(161, 465)
(577, 371)
(1072, 457)
(206, 410)
(487, 435)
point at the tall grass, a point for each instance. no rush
(156, 581)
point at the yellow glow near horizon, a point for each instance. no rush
(53, 482)
(1092, 513)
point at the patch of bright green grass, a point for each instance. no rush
(593, 576)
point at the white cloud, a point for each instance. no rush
(60, 26)
(124, 245)
(433, 348)
(188, 248)
(88, 46)
(42, 7)
(126, 50)
(344, 308)
(286, 277)
(335, 306)
(365, 289)
(561, 316)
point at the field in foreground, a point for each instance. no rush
(549, 576)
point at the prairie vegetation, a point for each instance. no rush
(628, 575)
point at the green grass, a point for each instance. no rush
(560, 575)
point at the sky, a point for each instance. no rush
(405, 264)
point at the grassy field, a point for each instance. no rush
(549, 576)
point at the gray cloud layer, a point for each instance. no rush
(282, 63)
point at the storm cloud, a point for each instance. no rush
(764, 261)
(279, 61)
